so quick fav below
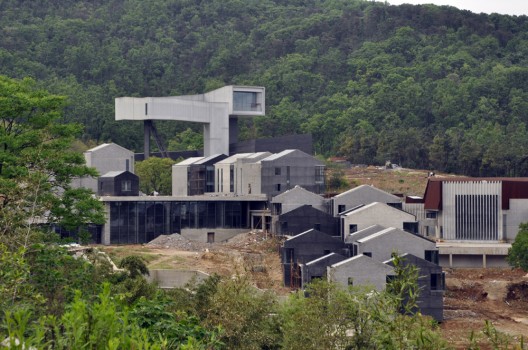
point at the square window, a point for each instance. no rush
(277, 171)
(126, 186)
(352, 228)
(350, 281)
(317, 227)
(278, 187)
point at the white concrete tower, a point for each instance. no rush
(217, 110)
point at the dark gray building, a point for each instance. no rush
(118, 183)
(304, 248)
(304, 218)
(201, 177)
(431, 282)
(134, 220)
(315, 269)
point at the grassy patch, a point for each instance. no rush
(118, 253)
(171, 263)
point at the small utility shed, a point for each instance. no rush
(360, 270)
(376, 213)
(304, 248)
(381, 245)
(304, 218)
(431, 281)
(316, 269)
(362, 195)
(118, 183)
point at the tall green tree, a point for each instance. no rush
(37, 165)
(155, 175)
(518, 253)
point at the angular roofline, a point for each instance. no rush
(373, 204)
(362, 257)
(366, 186)
(388, 262)
(296, 188)
(387, 231)
(350, 237)
(104, 145)
(232, 159)
(208, 158)
(344, 212)
(189, 161)
(324, 257)
(315, 231)
(114, 173)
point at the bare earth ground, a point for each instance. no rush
(398, 181)
(475, 295)
(472, 297)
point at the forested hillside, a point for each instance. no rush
(422, 86)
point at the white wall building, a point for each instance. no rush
(217, 110)
(376, 214)
(383, 244)
(360, 270)
(361, 195)
(477, 209)
(105, 158)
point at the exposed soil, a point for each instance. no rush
(255, 254)
(476, 295)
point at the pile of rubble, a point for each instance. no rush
(178, 242)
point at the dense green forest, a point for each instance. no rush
(422, 86)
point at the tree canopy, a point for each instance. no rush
(37, 165)
(518, 253)
(423, 86)
(155, 175)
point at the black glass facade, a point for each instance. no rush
(134, 222)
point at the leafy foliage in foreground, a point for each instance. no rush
(221, 313)
(37, 166)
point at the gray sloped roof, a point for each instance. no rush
(113, 173)
(353, 237)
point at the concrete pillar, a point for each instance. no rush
(146, 138)
(105, 234)
(233, 130)
(451, 260)
(484, 260)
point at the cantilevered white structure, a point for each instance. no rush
(217, 110)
